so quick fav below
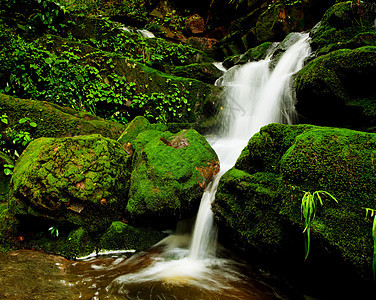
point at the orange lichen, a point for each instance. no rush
(208, 173)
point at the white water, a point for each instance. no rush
(255, 96)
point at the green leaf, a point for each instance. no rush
(23, 120)
(33, 124)
(8, 172)
(48, 60)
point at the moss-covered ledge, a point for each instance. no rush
(53, 120)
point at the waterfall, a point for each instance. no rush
(254, 96)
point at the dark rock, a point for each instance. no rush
(338, 89)
(194, 24)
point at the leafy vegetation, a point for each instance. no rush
(13, 140)
(308, 209)
(372, 213)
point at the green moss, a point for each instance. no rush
(340, 81)
(265, 148)
(346, 25)
(164, 180)
(78, 243)
(82, 180)
(205, 72)
(120, 236)
(53, 120)
(248, 204)
(260, 200)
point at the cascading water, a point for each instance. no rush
(255, 96)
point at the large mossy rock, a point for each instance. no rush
(169, 173)
(258, 202)
(79, 181)
(53, 120)
(120, 236)
(346, 25)
(338, 89)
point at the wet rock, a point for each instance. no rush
(120, 236)
(80, 181)
(258, 203)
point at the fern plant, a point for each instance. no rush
(308, 210)
(372, 213)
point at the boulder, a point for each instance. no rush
(338, 89)
(53, 120)
(120, 236)
(194, 24)
(346, 25)
(169, 174)
(258, 202)
(78, 181)
(205, 72)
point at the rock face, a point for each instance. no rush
(169, 173)
(258, 202)
(338, 89)
(82, 180)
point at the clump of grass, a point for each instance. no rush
(372, 213)
(308, 209)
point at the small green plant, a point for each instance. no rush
(372, 213)
(26, 119)
(54, 231)
(4, 118)
(8, 169)
(308, 210)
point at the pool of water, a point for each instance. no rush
(156, 274)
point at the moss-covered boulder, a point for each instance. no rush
(53, 120)
(120, 236)
(253, 54)
(346, 25)
(169, 173)
(338, 89)
(258, 202)
(205, 72)
(79, 181)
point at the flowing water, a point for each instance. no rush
(185, 267)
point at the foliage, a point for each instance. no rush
(163, 107)
(81, 81)
(8, 169)
(308, 210)
(54, 231)
(13, 139)
(372, 213)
